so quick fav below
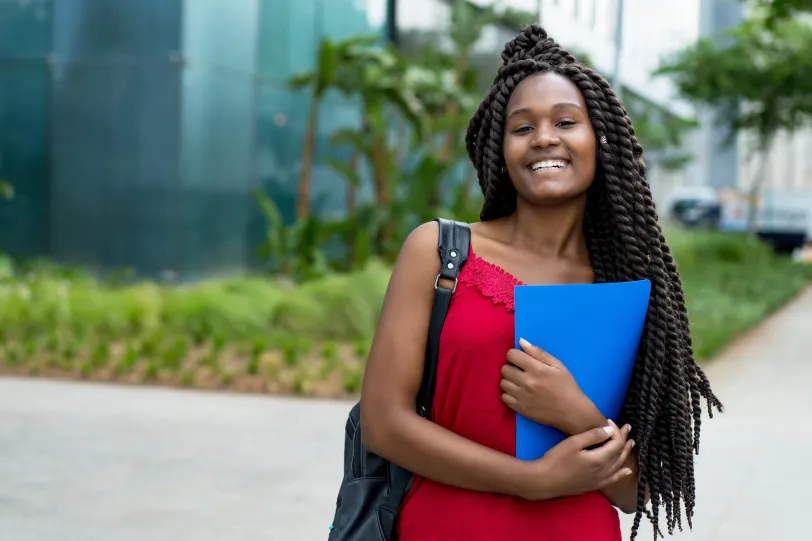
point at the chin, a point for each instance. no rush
(555, 197)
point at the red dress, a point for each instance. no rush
(477, 334)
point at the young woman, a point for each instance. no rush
(566, 201)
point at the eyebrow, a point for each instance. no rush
(563, 105)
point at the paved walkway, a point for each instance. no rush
(89, 462)
(754, 470)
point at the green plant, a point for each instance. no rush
(352, 380)
(54, 318)
(6, 190)
(257, 350)
(187, 378)
(152, 370)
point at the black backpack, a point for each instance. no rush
(373, 488)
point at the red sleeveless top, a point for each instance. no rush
(477, 334)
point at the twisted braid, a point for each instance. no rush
(625, 242)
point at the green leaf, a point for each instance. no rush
(344, 169)
(6, 190)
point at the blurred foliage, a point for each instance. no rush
(252, 331)
(781, 10)
(272, 335)
(6, 190)
(758, 75)
(732, 282)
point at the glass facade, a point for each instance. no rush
(25, 41)
(115, 187)
(135, 132)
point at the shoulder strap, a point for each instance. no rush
(453, 242)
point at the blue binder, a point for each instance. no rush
(594, 330)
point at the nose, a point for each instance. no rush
(545, 136)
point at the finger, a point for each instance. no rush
(510, 401)
(519, 359)
(509, 387)
(627, 429)
(624, 455)
(538, 353)
(525, 362)
(608, 452)
(619, 434)
(512, 374)
(592, 437)
(619, 475)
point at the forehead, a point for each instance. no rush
(545, 90)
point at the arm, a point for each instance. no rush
(390, 426)
(622, 494)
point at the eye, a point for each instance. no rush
(566, 123)
(521, 130)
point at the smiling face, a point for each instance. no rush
(549, 144)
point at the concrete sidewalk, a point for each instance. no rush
(88, 462)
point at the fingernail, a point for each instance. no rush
(524, 343)
(628, 471)
(608, 429)
(633, 443)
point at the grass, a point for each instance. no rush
(732, 282)
(267, 335)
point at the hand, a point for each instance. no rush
(576, 466)
(539, 387)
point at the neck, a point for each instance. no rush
(553, 231)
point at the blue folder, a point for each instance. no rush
(594, 330)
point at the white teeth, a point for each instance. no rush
(548, 164)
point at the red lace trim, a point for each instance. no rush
(492, 281)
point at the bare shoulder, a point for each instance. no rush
(421, 243)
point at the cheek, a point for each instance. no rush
(588, 158)
(512, 150)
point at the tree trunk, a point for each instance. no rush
(380, 174)
(303, 197)
(451, 110)
(352, 189)
(755, 187)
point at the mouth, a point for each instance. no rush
(548, 165)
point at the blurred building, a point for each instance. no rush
(134, 132)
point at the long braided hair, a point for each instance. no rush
(664, 401)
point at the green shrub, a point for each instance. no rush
(70, 321)
(732, 282)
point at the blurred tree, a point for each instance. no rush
(359, 67)
(331, 62)
(779, 10)
(758, 78)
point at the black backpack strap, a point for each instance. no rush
(453, 242)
